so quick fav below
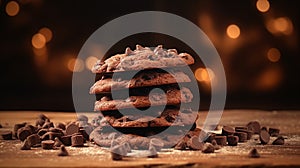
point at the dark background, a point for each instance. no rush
(253, 81)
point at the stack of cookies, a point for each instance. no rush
(141, 93)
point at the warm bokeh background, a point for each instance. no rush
(258, 42)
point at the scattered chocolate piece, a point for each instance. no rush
(17, 127)
(232, 140)
(243, 136)
(57, 142)
(60, 125)
(264, 137)
(83, 132)
(1, 126)
(216, 146)
(33, 139)
(116, 153)
(264, 128)
(77, 140)
(254, 153)
(194, 143)
(221, 140)
(25, 145)
(42, 131)
(31, 128)
(6, 135)
(254, 126)
(72, 128)
(156, 143)
(208, 148)
(227, 130)
(181, 145)
(152, 152)
(210, 137)
(50, 135)
(39, 122)
(62, 151)
(43, 117)
(47, 144)
(249, 133)
(48, 125)
(240, 128)
(274, 132)
(278, 141)
(66, 140)
(23, 133)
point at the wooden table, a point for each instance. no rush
(287, 155)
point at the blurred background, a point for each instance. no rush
(257, 40)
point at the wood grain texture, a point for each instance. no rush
(287, 155)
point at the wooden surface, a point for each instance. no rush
(287, 155)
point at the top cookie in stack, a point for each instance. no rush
(150, 68)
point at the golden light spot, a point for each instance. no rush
(263, 5)
(38, 41)
(12, 8)
(40, 56)
(47, 33)
(204, 75)
(90, 62)
(75, 65)
(281, 25)
(269, 79)
(233, 31)
(273, 54)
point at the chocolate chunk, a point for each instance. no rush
(33, 139)
(249, 133)
(264, 128)
(210, 137)
(42, 131)
(47, 144)
(84, 134)
(232, 140)
(274, 132)
(62, 151)
(194, 143)
(25, 145)
(57, 142)
(254, 153)
(17, 127)
(50, 135)
(1, 126)
(156, 143)
(66, 140)
(221, 140)
(208, 148)
(116, 153)
(227, 130)
(254, 126)
(82, 118)
(240, 128)
(48, 125)
(60, 125)
(216, 146)
(264, 137)
(43, 117)
(57, 130)
(23, 133)
(181, 145)
(6, 135)
(278, 141)
(39, 122)
(242, 136)
(77, 140)
(72, 128)
(152, 152)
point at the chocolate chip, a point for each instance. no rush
(43, 117)
(254, 126)
(232, 140)
(56, 130)
(62, 151)
(77, 140)
(264, 128)
(17, 127)
(194, 143)
(278, 141)
(48, 125)
(66, 140)
(221, 140)
(181, 145)
(1, 126)
(23, 133)
(39, 122)
(72, 128)
(240, 128)
(208, 148)
(216, 146)
(227, 130)
(6, 135)
(50, 135)
(47, 144)
(210, 137)
(264, 137)
(254, 153)
(242, 136)
(249, 133)
(60, 125)
(156, 143)
(152, 152)
(33, 139)
(57, 142)
(42, 131)
(25, 145)
(274, 132)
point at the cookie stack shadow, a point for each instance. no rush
(143, 94)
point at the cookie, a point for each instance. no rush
(143, 58)
(145, 78)
(172, 96)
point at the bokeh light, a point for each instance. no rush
(38, 41)
(40, 56)
(90, 62)
(204, 74)
(12, 8)
(47, 33)
(273, 54)
(75, 65)
(263, 5)
(233, 31)
(281, 25)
